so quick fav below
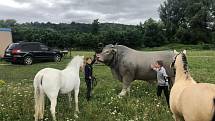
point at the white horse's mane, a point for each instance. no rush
(74, 61)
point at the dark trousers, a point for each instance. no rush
(89, 88)
(166, 92)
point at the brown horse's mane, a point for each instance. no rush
(185, 63)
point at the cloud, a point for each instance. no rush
(58, 11)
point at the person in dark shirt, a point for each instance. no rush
(89, 76)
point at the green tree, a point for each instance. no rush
(194, 15)
(7, 23)
(95, 26)
(153, 34)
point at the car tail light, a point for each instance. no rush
(15, 51)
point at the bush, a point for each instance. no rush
(180, 47)
(2, 82)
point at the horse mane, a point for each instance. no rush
(73, 61)
(185, 62)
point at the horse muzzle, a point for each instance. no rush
(82, 68)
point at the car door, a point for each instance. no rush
(36, 50)
(33, 49)
(47, 53)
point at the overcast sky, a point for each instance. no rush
(84, 11)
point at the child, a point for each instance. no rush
(162, 79)
(89, 76)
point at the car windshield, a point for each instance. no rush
(11, 46)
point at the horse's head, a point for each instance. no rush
(82, 63)
(77, 62)
(180, 60)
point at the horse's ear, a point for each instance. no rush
(184, 51)
(174, 51)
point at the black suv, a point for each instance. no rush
(29, 52)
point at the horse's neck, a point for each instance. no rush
(73, 67)
(183, 77)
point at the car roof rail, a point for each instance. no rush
(20, 41)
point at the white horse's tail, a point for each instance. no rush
(39, 97)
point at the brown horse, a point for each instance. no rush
(190, 101)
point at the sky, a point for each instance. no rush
(81, 11)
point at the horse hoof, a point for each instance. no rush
(76, 115)
(121, 94)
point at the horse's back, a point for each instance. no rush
(50, 81)
(51, 75)
(197, 102)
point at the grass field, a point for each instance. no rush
(17, 102)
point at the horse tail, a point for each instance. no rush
(213, 119)
(39, 97)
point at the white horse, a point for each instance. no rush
(190, 101)
(51, 81)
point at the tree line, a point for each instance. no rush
(181, 21)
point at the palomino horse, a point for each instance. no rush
(52, 81)
(190, 101)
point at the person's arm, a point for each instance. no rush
(153, 67)
(164, 74)
(94, 59)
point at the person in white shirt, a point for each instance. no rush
(161, 79)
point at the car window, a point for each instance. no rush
(25, 48)
(44, 48)
(30, 47)
(12, 46)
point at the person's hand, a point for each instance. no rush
(90, 77)
(152, 66)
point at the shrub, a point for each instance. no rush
(2, 82)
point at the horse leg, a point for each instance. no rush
(76, 103)
(125, 86)
(52, 109)
(177, 118)
(76, 100)
(70, 100)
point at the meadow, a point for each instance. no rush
(17, 100)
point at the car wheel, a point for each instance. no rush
(57, 58)
(28, 60)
